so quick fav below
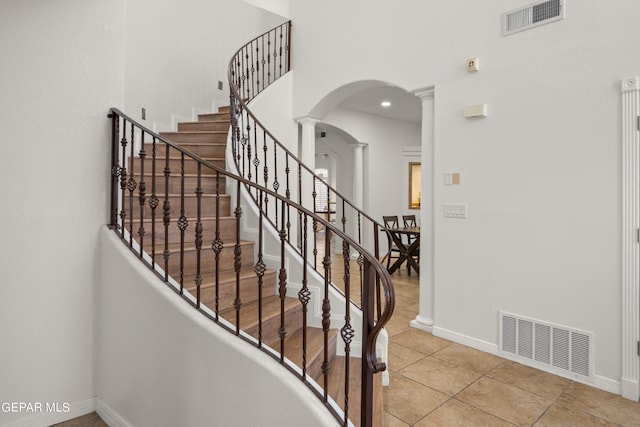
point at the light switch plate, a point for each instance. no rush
(455, 210)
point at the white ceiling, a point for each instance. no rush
(404, 105)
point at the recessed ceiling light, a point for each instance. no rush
(385, 104)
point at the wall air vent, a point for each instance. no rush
(554, 348)
(532, 16)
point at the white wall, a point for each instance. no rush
(62, 67)
(161, 363)
(178, 51)
(541, 174)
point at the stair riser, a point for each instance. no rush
(204, 126)
(208, 206)
(227, 230)
(208, 137)
(176, 166)
(227, 291)
(314, 366)
(208, 184)
(214, 116)
(208, 260)
(202, 150)
(271, 325)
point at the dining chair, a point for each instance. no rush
(410, 221)
(390, 221)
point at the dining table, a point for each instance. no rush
(408, 248)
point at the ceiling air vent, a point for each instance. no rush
(532, 16)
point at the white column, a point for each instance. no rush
(358, 188)
(630, 379)
(426, 316)
(358, 174)
(307, 156)
(308, 146)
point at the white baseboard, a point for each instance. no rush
(485, 346)
(109, 416)
(607, 384)
(65, 411)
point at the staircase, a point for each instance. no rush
(169, 204)
(260, 311)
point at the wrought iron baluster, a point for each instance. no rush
(316, 226)
(237, 303)
(153, 202)
(269, 58)
(282, 288)
(198, 234)
(288, 47)
(131, 184)
(217, 246)
(166, 212)
(366, 412)
(359, 228)
(276, 183)
(305, 296)
(344, 217)
(264, 82)
(256, 159)
(326, 312)
(142, 193)
(183, 223)
(260, 267)
(248, 74)
(115, 169)
(280, 52)
(258, 66)
(265, 171)
(347, 331)
(123, 177)
(288, 194)
(253, 70)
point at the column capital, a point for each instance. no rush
(425, 93)
(307, 120)
(359, 144)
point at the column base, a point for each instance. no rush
(422, 323)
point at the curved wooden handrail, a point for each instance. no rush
(239, 105)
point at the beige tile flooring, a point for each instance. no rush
(89, 420)
(435, 382)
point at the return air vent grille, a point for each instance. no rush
(555, 348)
(532, 16)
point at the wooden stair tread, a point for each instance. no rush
(189, 246)
(249, 310)
(315, 348)
(226, 277)
(219, 121)
(196, 132)
(221, 144)
(191, 219)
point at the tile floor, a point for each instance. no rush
(89, 420)
(435, 382)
